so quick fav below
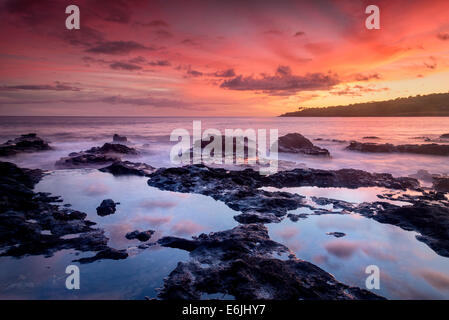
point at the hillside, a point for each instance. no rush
(431, 105)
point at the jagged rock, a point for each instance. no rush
(114, 148)
(242, 262)
(240, 190)
(140, 235)
(441, 184)
(119, 138)
(25, 143)
(24, 215)
(445, 136)
(120, 168)
(297, 143)
(107, 207)
(429, 149)
(96, 156)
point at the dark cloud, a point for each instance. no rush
(163, 34)
(189, 42)
(58, 86)
(443, 36)
(224, 73)
(124, 66)
(273, 32)
(367, 77)
(283, 81)
(431, 63)
(159, 63)
(193, 73)
(117, 47)
(144, 101)
(299, 33)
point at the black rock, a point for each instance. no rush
(25, 143)
(445, 136)
(241, 262)
(441, 184)
(371, 137)
(24, 214)
(297, 143)
(120, 168)
(140, 235)
(96, 156)
(429, 149)
(119, 138)
(107, 207)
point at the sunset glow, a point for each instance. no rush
(216, 58)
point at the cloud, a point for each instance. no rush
(117, 47)
(58, 86)
(443, 36)
(282, 81)
(124, 66)
(431, 63)
(357, 90)
(186, 228)
(144, 101)
(367, 77)
(152, 204)
(193, 73)
(299, 33)
(224, 73)
(160, 63)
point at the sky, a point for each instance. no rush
(216, 57)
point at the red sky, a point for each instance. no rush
(216, 58)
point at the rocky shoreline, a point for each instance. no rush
(243, 262)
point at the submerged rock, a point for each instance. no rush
(25, 143)
(428, 149)
(107, 207)
(243, 262)
(297, 143)
(140, 235)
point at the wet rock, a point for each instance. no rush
(82, 160)
(120, 168)
(297, 143)
(25, 143)
(336, 234)
(140, 235)
(295, 217)
(113, 148)
(96, 156)
(30, 224)
(119, 138)
(428, 149)
(243, 262)
(330, 140)
(370, 137)
(107, 207)
(441, 184)
(256, 217)
(445, 136)
(241, 190)
(109, 253)
(428, 219)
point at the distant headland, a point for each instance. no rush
(431, 105)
